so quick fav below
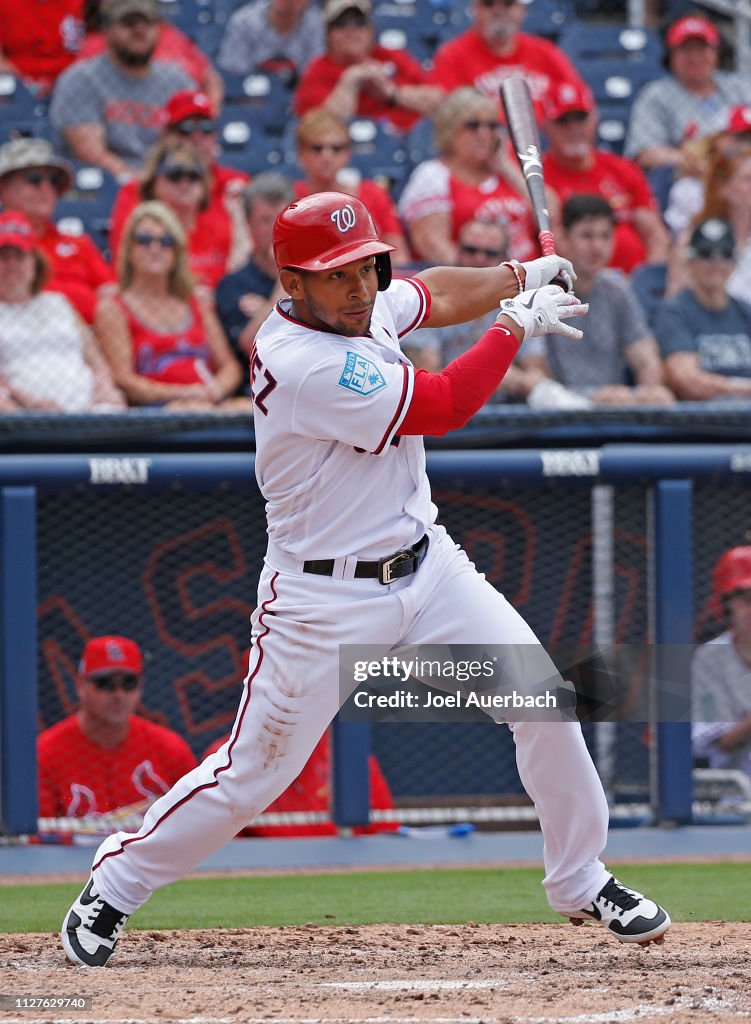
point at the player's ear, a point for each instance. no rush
(291, 282)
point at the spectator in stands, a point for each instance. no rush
(686, 198)
(32, 179)
(494, 49)
(172, 47)
(574, 165)
(721, 670)
(109, 110)
(174, 174)
(310, 793)
(278, 37)
(48, 357)
(704, 333)
(473, 177)
(617, 341)
(104, 757)
(694, 101)
(164, 342)
(727, 196)
(356, 77)
(485, 244)
(245, 298)
(38, 39)
(323, 152)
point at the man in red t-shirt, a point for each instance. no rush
(494, 49)
(32, 178)
(573, 165)
(40, 38)
(104, 758)
(356, 77)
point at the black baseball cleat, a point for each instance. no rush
(91, 929)
(626, 914)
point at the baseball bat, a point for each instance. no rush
(525, 138)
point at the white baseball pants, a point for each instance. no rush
(298, 625)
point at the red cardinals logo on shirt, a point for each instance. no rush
(147, 782)
(344, 218)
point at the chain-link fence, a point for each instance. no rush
(174, 571)
(183, 102)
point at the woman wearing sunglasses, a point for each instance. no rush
(175, 175)
(472, 177)
(323, 152)
(163, 341)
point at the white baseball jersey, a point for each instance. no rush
(336, 477)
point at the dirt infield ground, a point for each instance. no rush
(395, 974)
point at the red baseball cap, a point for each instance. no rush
(188, 103)
(16, 231)
(566, 98)
(739, 120)
(106, 654)
(692, 27)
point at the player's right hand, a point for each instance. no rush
(545, 269)
(543, 310)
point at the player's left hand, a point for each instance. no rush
(545, 269)
(542, 311)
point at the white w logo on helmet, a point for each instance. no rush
(344, 218)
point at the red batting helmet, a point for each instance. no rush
(732, 572)
(327, 230)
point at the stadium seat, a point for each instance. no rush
(188, 15)
(583, 42)
(618, 81)
(260, 98)
(648, 282)
(377, 153)
(82, 216)
(38, 128)
(612, 127)
(208, 38)
(17, 102)
(247, 146)
(405, 35)
(547, 18)
(661, 181)
(420, 142)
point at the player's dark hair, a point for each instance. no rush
(583, 207)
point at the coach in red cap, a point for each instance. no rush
(104, 758)
(693, 101)
(574, 165)
(190, 117)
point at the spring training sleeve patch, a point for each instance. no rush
(354, 397)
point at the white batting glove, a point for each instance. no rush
(541, 311)
(542, 271)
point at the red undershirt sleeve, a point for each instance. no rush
(447, 400)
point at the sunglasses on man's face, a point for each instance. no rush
(477, 250)
(573, 117)
(335, 147)
(135, 19)
(355, 18)
(498, 3)
(164, 241)
(198, 126)
(38, 176)
(117, 681)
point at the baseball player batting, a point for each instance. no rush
(355, 556)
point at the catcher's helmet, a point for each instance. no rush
(732, 572)
(327, 230)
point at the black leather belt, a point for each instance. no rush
(385, 570)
